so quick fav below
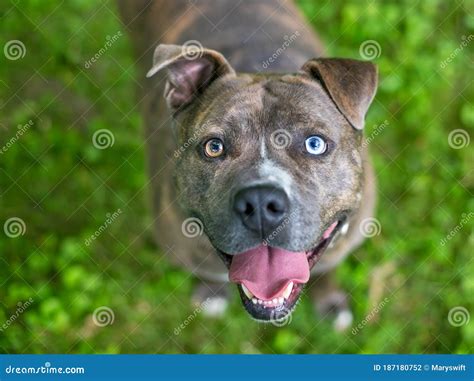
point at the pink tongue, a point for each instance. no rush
(266, 271)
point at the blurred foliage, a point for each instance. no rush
(63, 188)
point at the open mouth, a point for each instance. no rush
(270, 279)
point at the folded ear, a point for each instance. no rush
(190, 71)
(350, 83)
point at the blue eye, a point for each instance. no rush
(315, 145)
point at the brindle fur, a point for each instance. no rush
(244, 109)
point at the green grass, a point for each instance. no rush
(62, 187)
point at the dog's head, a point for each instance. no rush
(272, 165)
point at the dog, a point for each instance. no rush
(258, 171)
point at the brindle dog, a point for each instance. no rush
(254, 143)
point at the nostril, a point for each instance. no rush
(273, 208)
(249, 209)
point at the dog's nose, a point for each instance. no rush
(261, 208)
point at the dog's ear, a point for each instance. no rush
(351, 84)
(190, 71)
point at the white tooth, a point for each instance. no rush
(246, 291)
(254, 301)
(259, 301)
(280, 300)
(344, 228)
(275, 301)
(287, 291)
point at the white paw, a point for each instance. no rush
(214, 306)
(343, 320)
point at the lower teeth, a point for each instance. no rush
(269, 303)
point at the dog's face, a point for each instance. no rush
(273, 167)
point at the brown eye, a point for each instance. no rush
(214, 148)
